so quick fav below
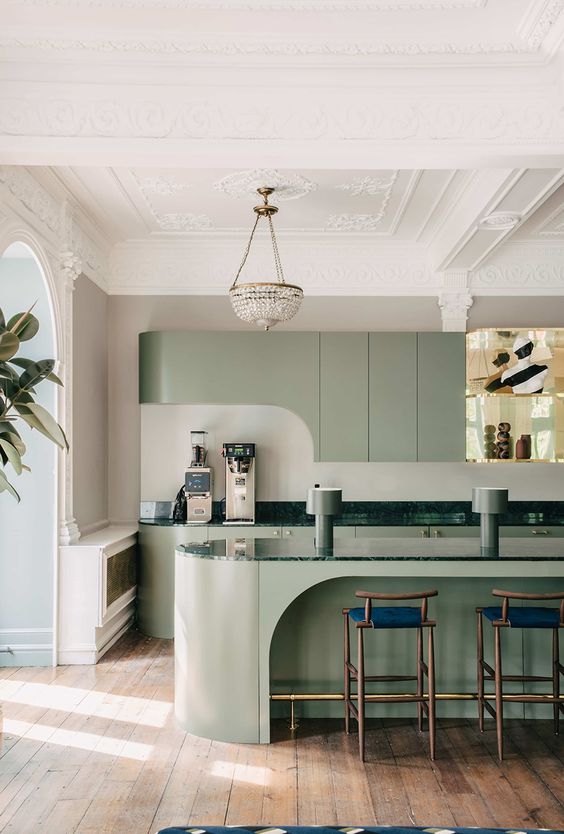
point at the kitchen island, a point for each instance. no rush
(232, 596)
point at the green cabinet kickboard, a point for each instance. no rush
(392, 385)
(441, 401)
(279, 369)
(343, 409)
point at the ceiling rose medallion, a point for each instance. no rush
(265, 303)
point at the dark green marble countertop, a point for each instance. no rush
(372, 550)
(392, 513)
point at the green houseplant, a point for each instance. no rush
(19, 378)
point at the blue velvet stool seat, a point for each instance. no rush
(518, 616)
(383, 617)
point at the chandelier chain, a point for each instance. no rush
(277, 261)
(247, 250)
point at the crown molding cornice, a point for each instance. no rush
(522, 269)
(274, 47)
(208, 268)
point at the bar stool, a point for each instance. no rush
(381, 618)
(517, 617)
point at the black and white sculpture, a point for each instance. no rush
(525, 377)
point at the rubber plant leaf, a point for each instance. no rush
(2, 321)
(9, 344)
(39, 418)
(12, 454)
(14, 439)
(24, 325)
(6, 485)
(36, 372)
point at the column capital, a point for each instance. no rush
(454, 309)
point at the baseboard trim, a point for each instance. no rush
(90, 653)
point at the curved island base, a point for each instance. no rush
(230, 595)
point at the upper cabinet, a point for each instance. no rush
(363, 396)
(343, 389)
(515, 395)
(225, 367)
(440, 396)
(392, 386)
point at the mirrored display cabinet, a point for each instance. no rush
(515, 395)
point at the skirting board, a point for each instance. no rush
(88, 654)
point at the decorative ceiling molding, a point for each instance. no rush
(373, 187)
(368, 186)
(500, 220)
(274, 47)
(286, 186)
(183, 222)
(535, 31)
(205, 268)
(161, 186)
(270, 5)
(35, 199)
(523, 269)
(336, 116)
(354, 222)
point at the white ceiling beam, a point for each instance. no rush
(492, 206)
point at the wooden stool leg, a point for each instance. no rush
(555, 680)
(360, 699)
(347, 655)
(498, 693)
(419, 678)
(480, 670)
(431, 676)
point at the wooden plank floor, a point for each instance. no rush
(95, 749)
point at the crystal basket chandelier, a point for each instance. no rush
(265, 303)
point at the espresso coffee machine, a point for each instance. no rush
(239, 483)
(198, 482)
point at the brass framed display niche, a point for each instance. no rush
(515, 395)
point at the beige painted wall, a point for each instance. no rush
(130, 315)
(90, 405)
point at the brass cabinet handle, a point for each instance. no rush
(275, 532)
(423, 534)
(288, 532)
(540, 532)
(436, 534)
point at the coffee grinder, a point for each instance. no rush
(239, 483)
(198, 482)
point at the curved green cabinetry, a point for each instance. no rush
(233, 368)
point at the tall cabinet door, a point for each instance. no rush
(441, 407)
(392, 396)
(344, 396)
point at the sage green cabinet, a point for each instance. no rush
(441, 403)
(392, 403)
(226, 367)
(343, 392)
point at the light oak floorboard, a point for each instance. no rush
(97, 751)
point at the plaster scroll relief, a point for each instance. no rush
(145, 269)
(368, 186)
(33, 197)
(332, 117)
(160, 186)
(287, 186)
(537, 278)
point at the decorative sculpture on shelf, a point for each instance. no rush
(525, 377)
(503, 445)
(490, 448)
